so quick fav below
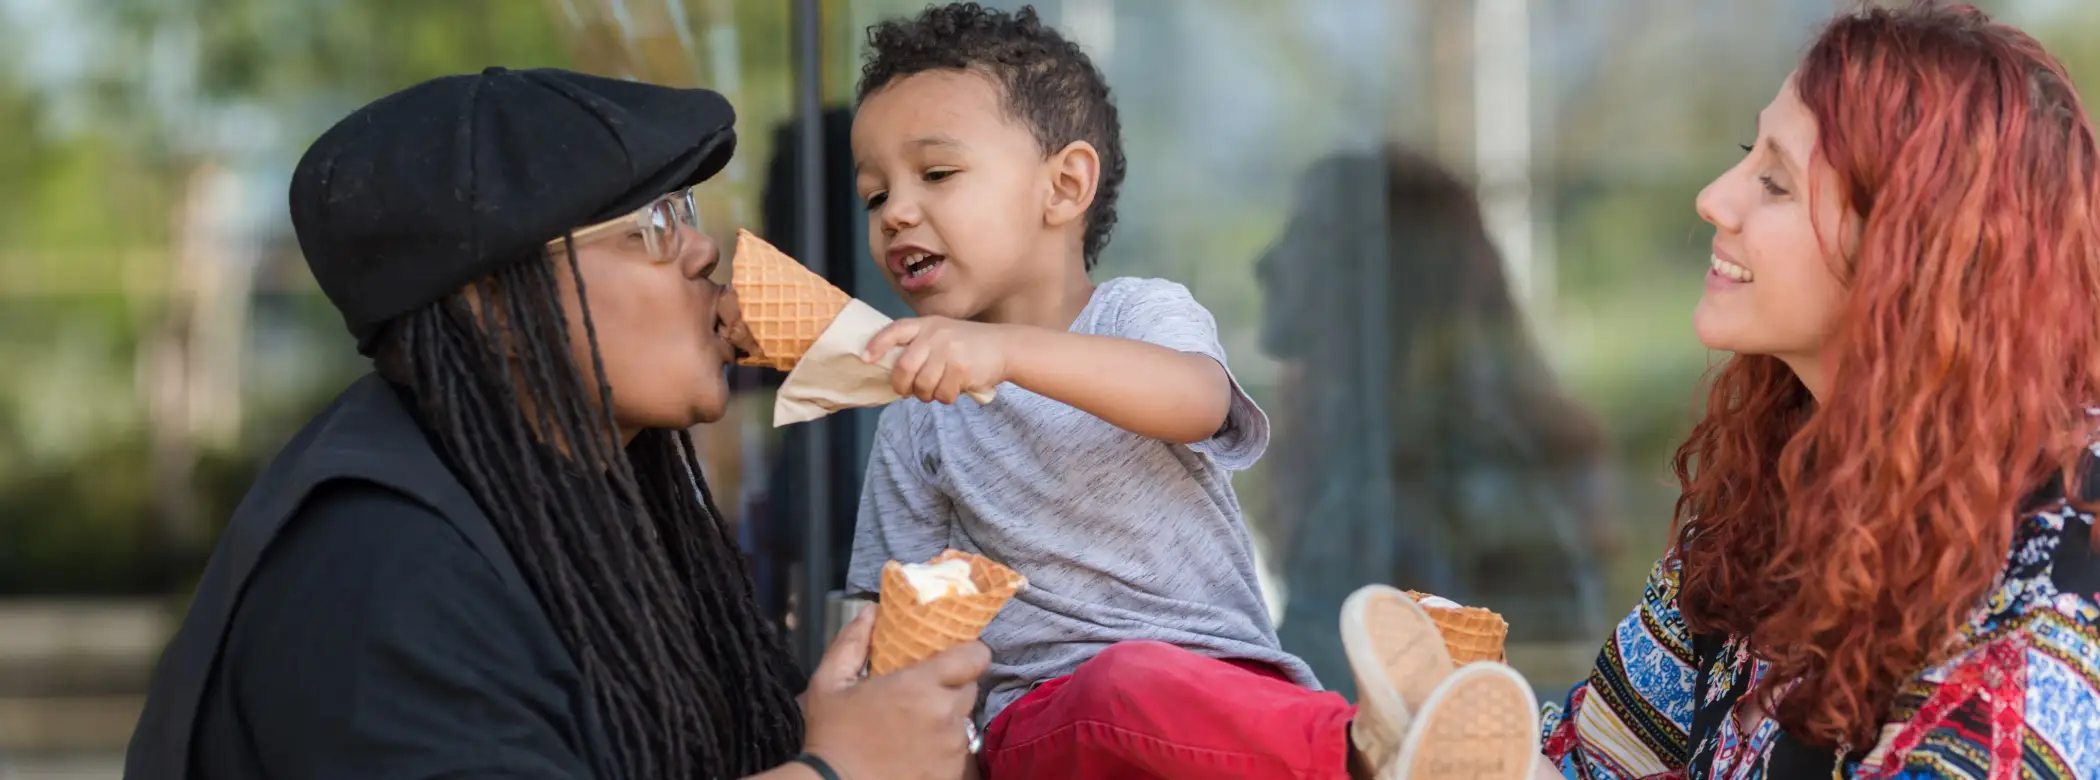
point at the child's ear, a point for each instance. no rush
(1075, 172)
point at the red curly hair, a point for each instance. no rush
(1849, 537)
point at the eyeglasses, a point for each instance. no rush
(656, 223)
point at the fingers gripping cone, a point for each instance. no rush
(794, 321)
(1470, 633)
(785, 306)
(907, 631)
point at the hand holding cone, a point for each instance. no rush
(1470, 633)
(907, 631)
(788, 319)
(785, 306)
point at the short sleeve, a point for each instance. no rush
(1633, 717)
(903, 514)
(375, 642)
(1163, 313)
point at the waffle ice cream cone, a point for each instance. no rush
(1470, 633)
(785, 306)
(907, 631)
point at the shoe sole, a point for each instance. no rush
(1482, 723)
(1399, 659)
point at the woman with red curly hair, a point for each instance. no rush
(1876, 569)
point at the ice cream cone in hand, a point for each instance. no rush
(783, 306)
(930, 607)
(1470, 633)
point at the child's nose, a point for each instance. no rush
(900, 213)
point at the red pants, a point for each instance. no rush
(1150, 709)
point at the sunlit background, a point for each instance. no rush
(1450, 245)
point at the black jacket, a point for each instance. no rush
(361, 617)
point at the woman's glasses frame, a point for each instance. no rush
(656, 223)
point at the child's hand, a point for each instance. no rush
(943, 358)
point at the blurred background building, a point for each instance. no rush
(1450, 244)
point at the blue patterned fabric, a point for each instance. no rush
(2021, 697)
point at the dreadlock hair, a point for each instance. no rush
(623, 547)
(1048, 84)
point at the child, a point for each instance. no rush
(986, 149)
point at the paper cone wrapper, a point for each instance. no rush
(907, 632)
(1470, 633)
(785, 306)
(831, 375)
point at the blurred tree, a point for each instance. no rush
(146, 213)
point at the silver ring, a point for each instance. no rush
(970, 732)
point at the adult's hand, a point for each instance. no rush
(907, 725)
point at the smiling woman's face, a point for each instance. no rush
(657, 329)
(1780, 229)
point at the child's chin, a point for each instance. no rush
(943, 304)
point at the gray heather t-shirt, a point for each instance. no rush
(1121, 537)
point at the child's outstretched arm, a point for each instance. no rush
(1147, 389)
(1160, 373)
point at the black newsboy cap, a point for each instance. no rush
(410, 198)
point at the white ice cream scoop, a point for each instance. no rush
(941, 579)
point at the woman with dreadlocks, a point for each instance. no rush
(1884, 556)
(496, 556)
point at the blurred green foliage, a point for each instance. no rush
(96, 161)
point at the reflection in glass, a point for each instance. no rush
(1494, 484)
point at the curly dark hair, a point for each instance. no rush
(1048, 83)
